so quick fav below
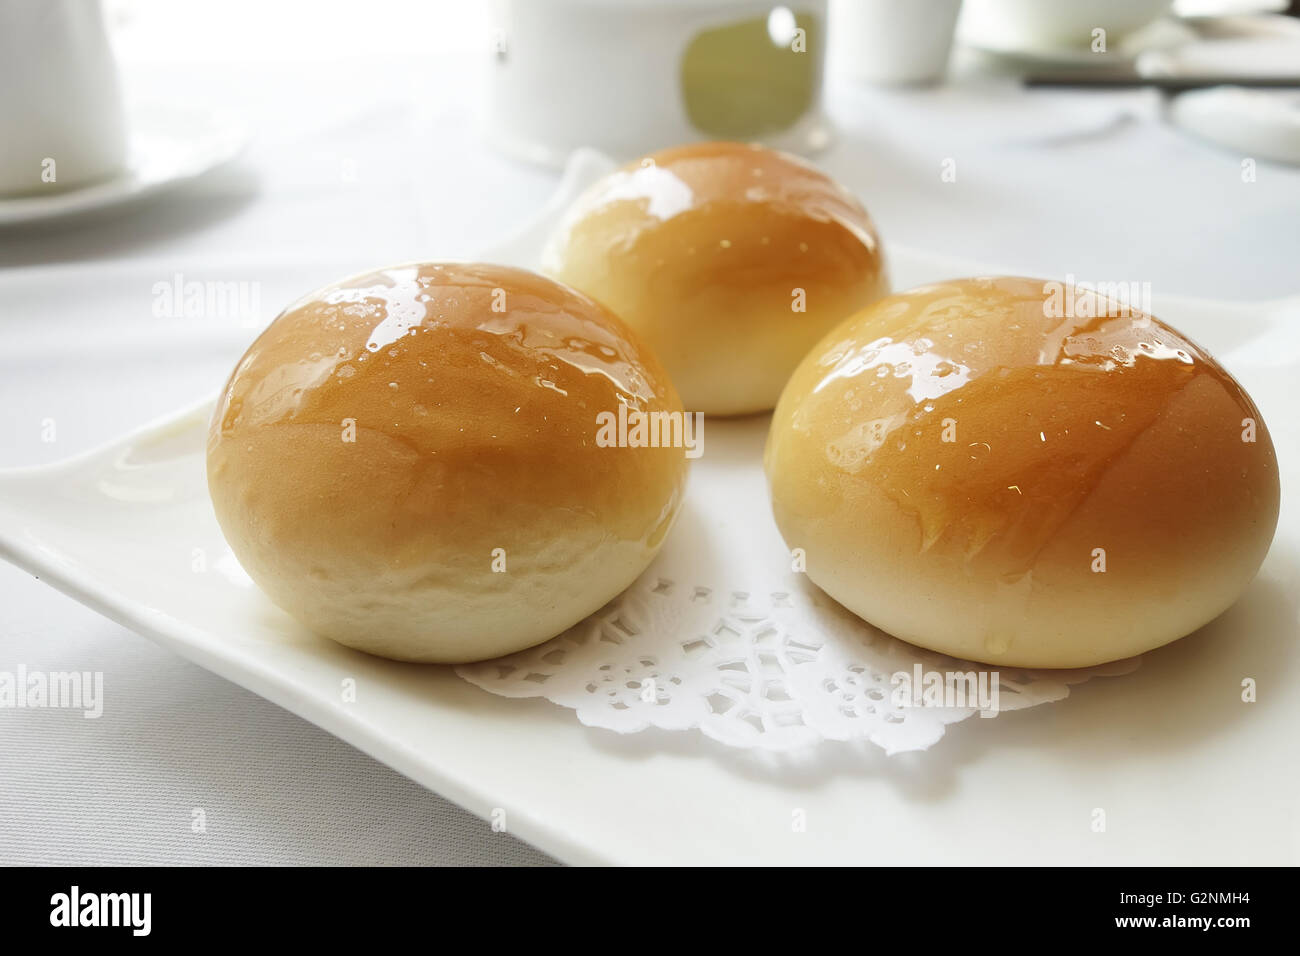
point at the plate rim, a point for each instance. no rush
(195, 644)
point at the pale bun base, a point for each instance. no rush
(430, 597)
(1063, 614)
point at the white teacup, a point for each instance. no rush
(62, 123)
(892, 42)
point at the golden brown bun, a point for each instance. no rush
(475, 391)
(701, 250)
(1065, 435)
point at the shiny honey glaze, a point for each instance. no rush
(705, 188)
(484, 381)
(980, 409)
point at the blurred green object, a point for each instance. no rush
(740, 82)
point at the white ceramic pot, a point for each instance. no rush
(61, 118)
(632, 76)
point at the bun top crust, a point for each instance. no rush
(477, 386)
(754, 210)
(540, 338)
(998, 422)
(691, 178)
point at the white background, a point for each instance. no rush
(367, 151)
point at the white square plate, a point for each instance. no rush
(1183, 769)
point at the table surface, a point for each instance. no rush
(370, 159)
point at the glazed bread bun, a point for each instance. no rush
(730, 260)
(983, 468)
(408, 462)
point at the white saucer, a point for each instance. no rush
(1254, 123)
(169, 146)
(1163, 34)
(1227, 8)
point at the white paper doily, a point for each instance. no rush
(720, 636)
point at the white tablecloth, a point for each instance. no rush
(376, 159)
